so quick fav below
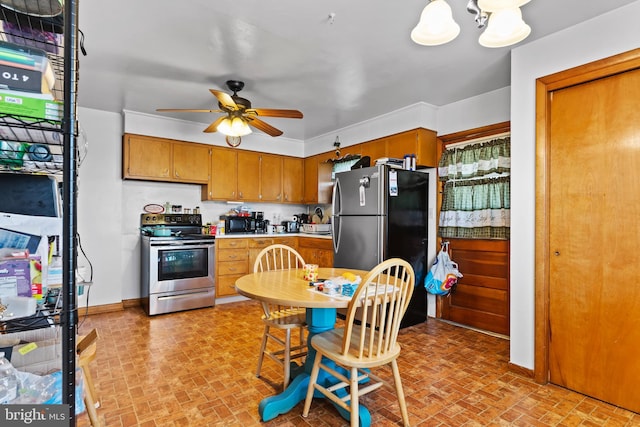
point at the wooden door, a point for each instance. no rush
(481, 297)
(594, 238)
(191, 162)
(248, 176)
(223, 184)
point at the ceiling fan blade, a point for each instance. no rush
(187, 110)
(213, 127)
(225, 99)
(263, 126)
(272, 112)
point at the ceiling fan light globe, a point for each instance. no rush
(225, 127)
(240, 127)
(505, 28)
(436, 25)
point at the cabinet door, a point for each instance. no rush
(311, 179)
(293, 179)
(270, 178)
(324, 258)
(248, 176)
(374, 149)
(146, 158)
(191, 162)
(403, 143)
(223, 184)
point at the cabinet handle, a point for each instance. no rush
(240, 194)
(177, 174)
(233, 256)
(232, 269)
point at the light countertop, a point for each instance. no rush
(263, 235)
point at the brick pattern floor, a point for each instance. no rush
(197, 368)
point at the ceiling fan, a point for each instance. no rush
(238, 113)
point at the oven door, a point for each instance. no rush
(180, 265)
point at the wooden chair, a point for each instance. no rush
(281, 257)
(86, 351)
(382, 298)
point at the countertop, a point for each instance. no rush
(263, 235)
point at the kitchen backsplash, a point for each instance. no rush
(137, 194)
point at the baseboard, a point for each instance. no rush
(109, 308)
(520, 370)
(129, 303)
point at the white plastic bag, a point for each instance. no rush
(442, 275)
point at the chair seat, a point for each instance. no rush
(330, 344)
(287, 318)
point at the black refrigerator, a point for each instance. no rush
(379, 213)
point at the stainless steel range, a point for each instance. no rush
(177, 263)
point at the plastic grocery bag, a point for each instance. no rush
(443, 274)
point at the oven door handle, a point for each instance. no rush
(170, 297)
(183, 244)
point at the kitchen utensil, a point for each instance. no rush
(291, 226)
(156, 231)
(316, 228)
(153, 208)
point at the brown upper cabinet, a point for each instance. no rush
(238, 175)
(421, 142)
(317, 178)
(223, 184)
(160, 159)
(293, 179)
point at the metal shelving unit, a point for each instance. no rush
(60, 138)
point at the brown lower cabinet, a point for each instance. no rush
(235, 258)
(316, 251)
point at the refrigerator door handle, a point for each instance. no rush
(335, 233)
(336, 204)
(336, 199)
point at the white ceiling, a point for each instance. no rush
(148, 54)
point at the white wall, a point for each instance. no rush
(100, 207)
(615, 32)
(486, 109)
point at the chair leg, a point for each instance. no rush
(353, 389)
(400, 392)
(90, 389)
(89, 395)
(312, 381)
(263, 347)
(287, 358)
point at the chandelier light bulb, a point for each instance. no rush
(436, 25)
(496, 5)
(505, 28)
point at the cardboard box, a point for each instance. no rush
(15, 276)
(38, 357)
(30, 106)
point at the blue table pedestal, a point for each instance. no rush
(318, 320)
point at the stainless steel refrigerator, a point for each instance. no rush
(380, 213)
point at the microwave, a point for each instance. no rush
(239, 224)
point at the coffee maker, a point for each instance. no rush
(261, 224)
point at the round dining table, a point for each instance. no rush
(288, 287)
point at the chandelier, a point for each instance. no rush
(502, 18)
